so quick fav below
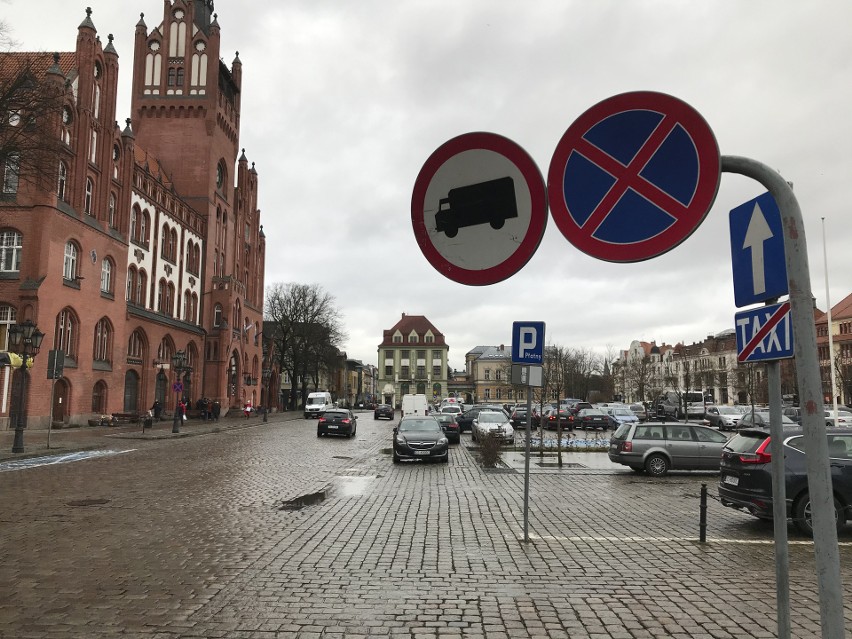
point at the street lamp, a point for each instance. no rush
(180, 367)
(24, 339)
(267, 375)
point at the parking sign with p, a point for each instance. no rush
(527, 342)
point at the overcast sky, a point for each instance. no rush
(343, 102)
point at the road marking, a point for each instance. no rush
(590, 538)
(49, 460)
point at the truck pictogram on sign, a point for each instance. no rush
(492, 202)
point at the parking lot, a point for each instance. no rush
(269, 531)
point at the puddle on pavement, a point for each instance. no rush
(87, 502)
(302, 501)
(352, 486)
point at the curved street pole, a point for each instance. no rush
(826, 553)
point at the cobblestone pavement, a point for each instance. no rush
(269, 532)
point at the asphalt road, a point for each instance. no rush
(270, 532)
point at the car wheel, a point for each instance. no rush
(446, 460)
(802, 516)
(396, 459)
(637, 469)
(319, 434)
(657, 465)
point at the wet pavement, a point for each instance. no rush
(264, 530)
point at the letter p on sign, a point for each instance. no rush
(527, 342)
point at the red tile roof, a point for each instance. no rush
(409, 323)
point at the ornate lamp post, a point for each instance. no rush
(24, 339)
(180, 367)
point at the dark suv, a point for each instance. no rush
(746, 474)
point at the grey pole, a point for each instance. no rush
(527, 468)
(779, 496)
(826, 552)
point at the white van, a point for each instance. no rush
(317, 404)
(414, 405)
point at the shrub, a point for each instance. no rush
(490, 449)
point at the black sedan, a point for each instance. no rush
(593, 418)
(745, 481)
(383, 410)
(338, 421)
(419, 437)
(450, 426)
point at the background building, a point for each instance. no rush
(412, 359)
(145, 241)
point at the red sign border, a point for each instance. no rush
(710, 173)
(538, 214)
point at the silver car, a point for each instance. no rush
(723, 417)
(658, 448)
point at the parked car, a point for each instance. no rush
(561, 415)
(593, 418)
(490, 422)
(419, 437)
(794, 413)
(761, 418)
(519, 417)
(640, 411)
(723, 417)
(658, 448)
(452, 409)
(844, 418)
(619, 415)
(383, 410)
(337, 421)
(575, 407)
(746, 474)
(450, 427)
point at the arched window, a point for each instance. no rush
(194, 315)
(143, 227)
(111, 211)
(8, 317)
(142, 289)
(99, 397)
(65, 336)
(135, 345)
(187, 306)
(173, 245)
(69, 268)
(170, 299)
(161, 296)
(106, 275)
(87, 204)
(11, 171)
(131, 284)
(11, 245)
(63, 179)
(164, 242)
(134, 221)
(102, 350)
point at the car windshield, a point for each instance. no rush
(332, 414)
(419, 425)
(491, 418)
(316, 400)
(728, 410)
(592, 411)
(622, 411)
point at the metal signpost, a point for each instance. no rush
(479, 208)
(826, 553)
(527, 357)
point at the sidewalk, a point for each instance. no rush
(67, 440)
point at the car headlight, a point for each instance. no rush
(443, 441)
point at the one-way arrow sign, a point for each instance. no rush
(757, 251)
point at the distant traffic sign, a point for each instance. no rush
(764, 333)
(528, 343)
(757, 251)
(177, 387)
(633, 176)
(479, 208)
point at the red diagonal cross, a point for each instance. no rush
(767, 328)
(627, 177)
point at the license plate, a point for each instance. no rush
(332, 427)
(421, 452)
(733, 481)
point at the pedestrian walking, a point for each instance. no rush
(247, 409)
(157, 409)
(217, 408)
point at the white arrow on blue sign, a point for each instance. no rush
(764, 333)
(528, 343)
(757, 251)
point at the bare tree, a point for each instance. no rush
(307, 330)
(32, 94)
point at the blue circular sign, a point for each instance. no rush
(633, 176)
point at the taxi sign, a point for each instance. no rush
(765, 333)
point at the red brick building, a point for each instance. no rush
(148, 241)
